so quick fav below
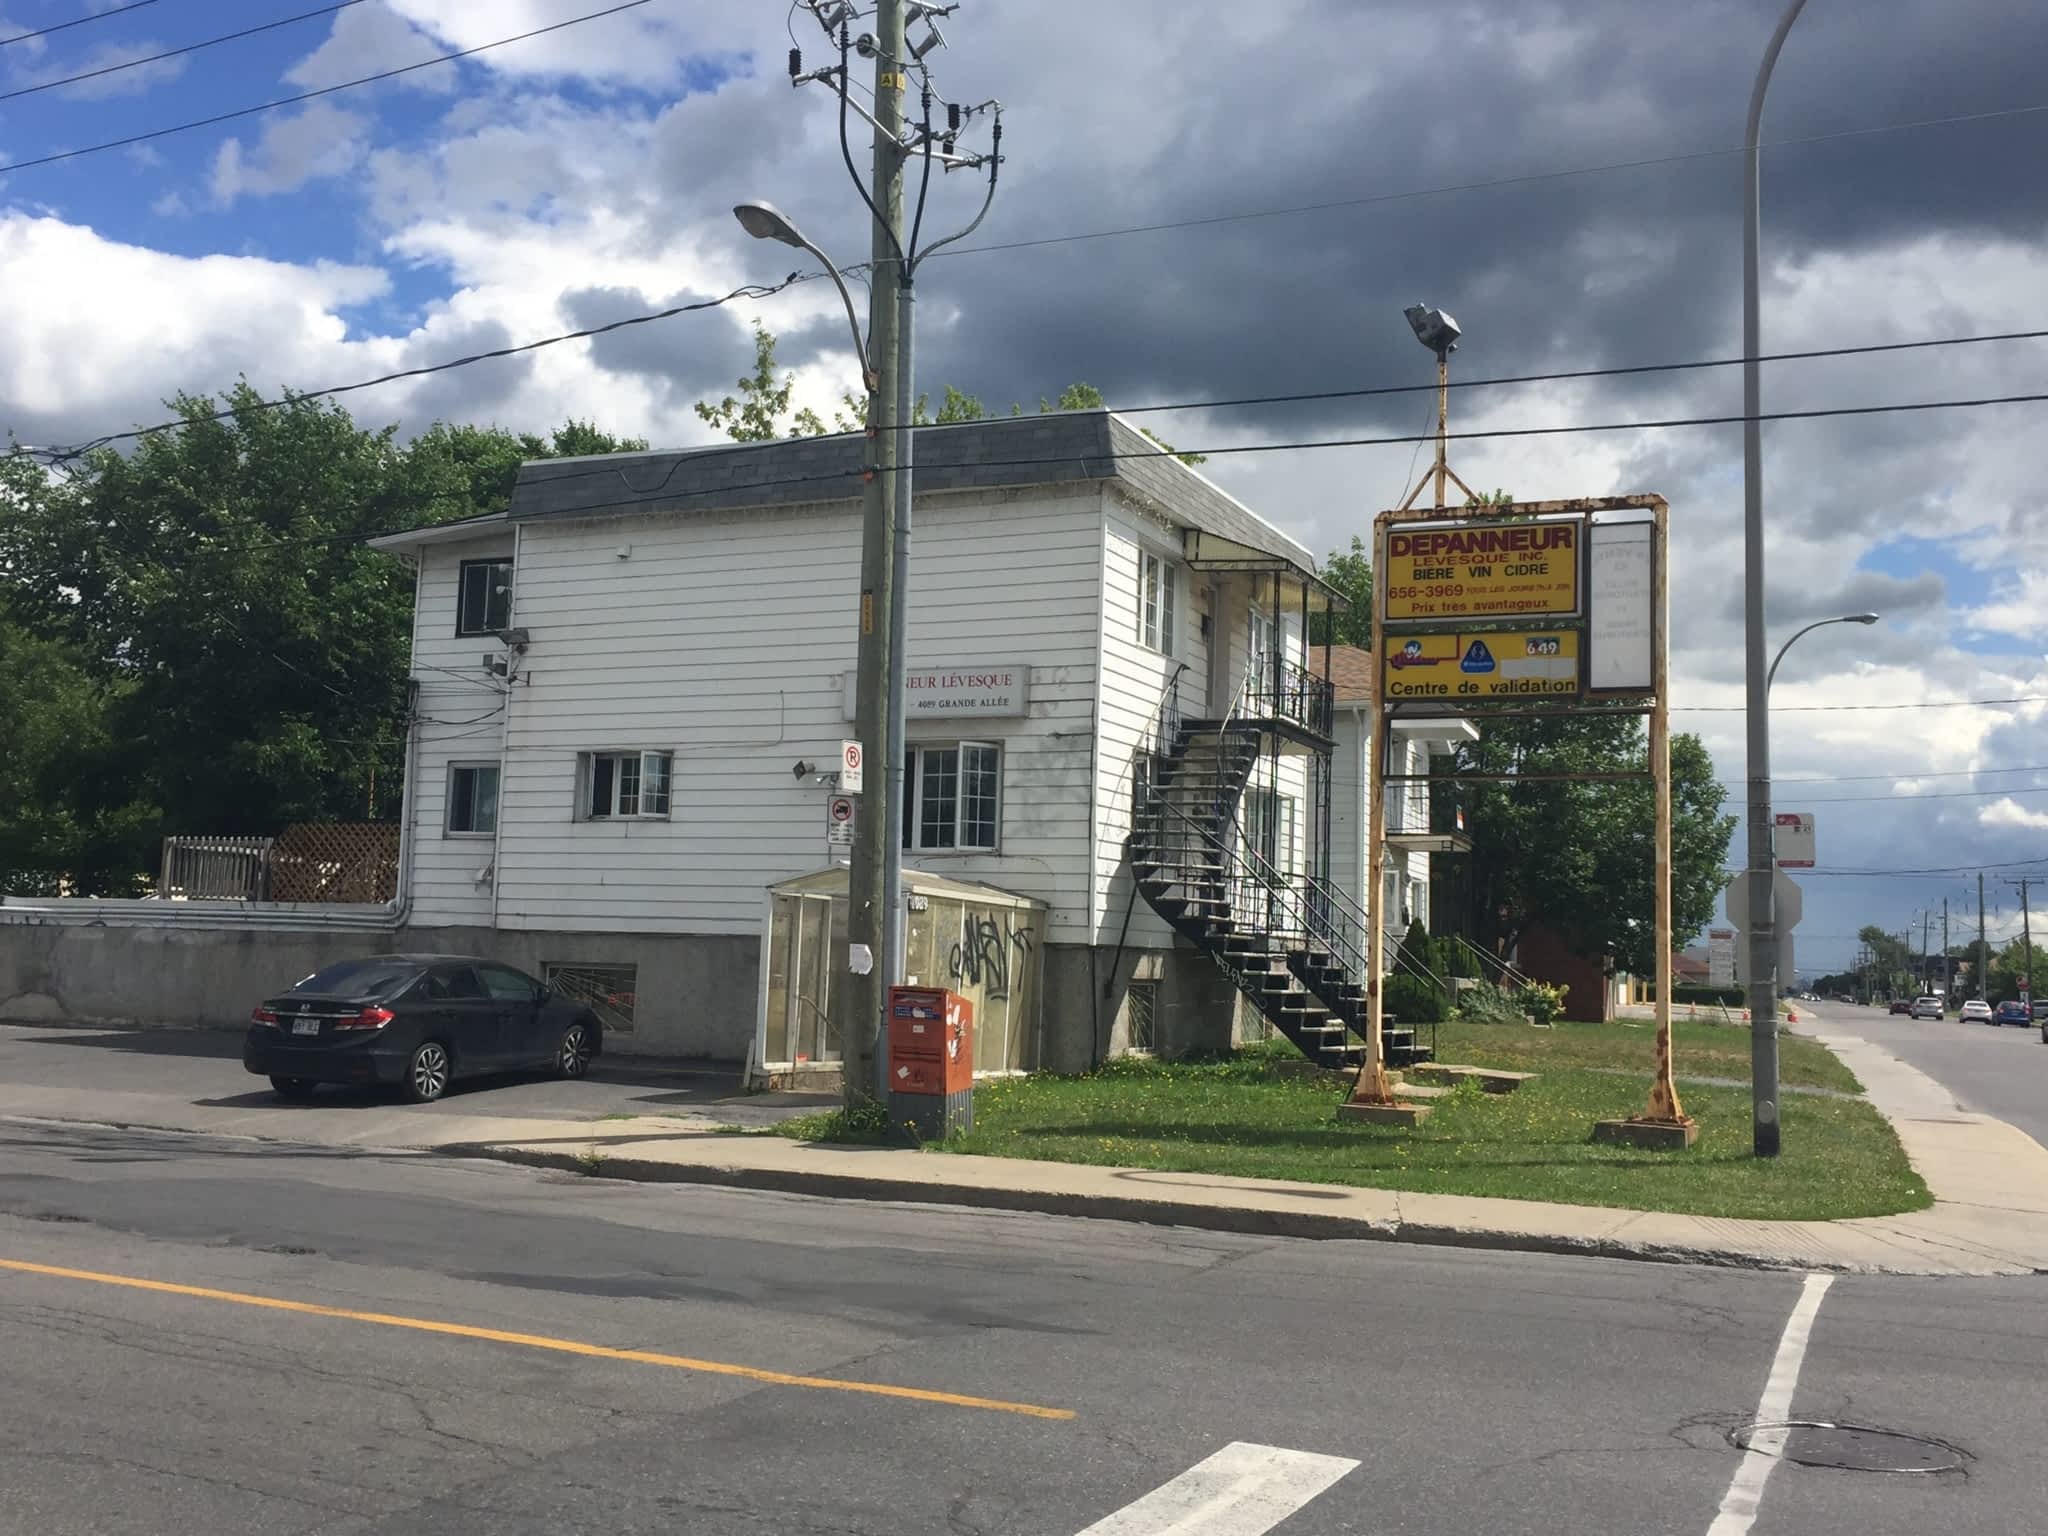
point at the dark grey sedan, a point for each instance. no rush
(419, 1021)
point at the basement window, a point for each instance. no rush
(610, 991)
(1141, 1012)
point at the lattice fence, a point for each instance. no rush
(335, 861)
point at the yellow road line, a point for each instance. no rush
(541, 1341)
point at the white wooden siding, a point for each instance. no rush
(461, 712)
(723, 639)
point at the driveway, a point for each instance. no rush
(193, 1080)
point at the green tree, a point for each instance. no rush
(1891, 957)
(1579, 856)
(215, 648)
(1351, 574)
(2017, 959)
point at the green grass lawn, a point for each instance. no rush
(1699, 1049)
(1249, 1118)
(1240, 1118)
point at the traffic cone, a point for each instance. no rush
(1791, 1015)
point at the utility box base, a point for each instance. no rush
(1657, 1135)
(933, 1116)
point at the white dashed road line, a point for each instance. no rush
(1739, 1505)
(1243, 1490)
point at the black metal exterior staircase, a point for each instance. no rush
(1277, 938)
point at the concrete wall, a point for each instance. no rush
(695, 991)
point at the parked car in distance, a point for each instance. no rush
(419, 1021)
(1976, 1011)
(1901, 1005)
(2013, 1011)
(1928, 1007)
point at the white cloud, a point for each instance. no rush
(322, 140)
(2018, 608)
(367, 40)
(2010, 813)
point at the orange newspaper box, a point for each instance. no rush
(931, 1041)
(931, 1060)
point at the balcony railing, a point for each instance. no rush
(1278, 689)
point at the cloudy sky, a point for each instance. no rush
(1202, 200)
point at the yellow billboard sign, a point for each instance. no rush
(1484, 570)
(1496, 666)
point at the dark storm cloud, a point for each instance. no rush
(1636, 265)
(682, 359)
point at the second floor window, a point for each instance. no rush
(953, 797)
(620, 784)
(1156, 583)
(484, 602)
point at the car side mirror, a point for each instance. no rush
(542, 993)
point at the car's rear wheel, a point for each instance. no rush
(428, 1072)
(572, 1055)
(299, 1089)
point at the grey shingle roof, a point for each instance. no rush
(1059, 448)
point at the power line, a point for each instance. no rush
(1955, 870)
(173, 53)
(1940, 794)
(1565, 376)
(325, 90)
(1878, 778)
(750, 291)
(65, 26)
(1489, 183)
(1736, 709)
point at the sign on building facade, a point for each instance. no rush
(977, 690)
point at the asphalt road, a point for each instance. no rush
(1991, 1069)
(432, 1368)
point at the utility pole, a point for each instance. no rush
(1947, 981)
(1926, 923)
(1983, 956)
(2026, 951)
(875, 873)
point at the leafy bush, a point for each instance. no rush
(1542, 1001)
(1731, 996)
(1413, 1001)
(1485, 1003)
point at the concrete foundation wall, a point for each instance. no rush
(695, 992)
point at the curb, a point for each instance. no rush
(1240, 1220)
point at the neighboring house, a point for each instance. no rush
(1405, 878)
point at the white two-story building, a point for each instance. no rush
(632, 687)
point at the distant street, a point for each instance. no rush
(214, 1335)
(1992, 1069)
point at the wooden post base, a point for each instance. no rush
(1384, 1114)
(1656, 1135)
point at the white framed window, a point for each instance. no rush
(1158, 581)
(624, 785)
(483, 604)
(952, 797)
(472, 799)
(1262, 641)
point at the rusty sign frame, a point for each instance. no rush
(1373, 1086)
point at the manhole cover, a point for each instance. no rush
(1852, 1447)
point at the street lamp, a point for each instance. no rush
(764, 221)
(1847, 618)
(1761, 870)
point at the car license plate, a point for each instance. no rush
(305, 1026)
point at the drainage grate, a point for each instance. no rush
(1853, 1447)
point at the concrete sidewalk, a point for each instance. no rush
(1990, 1184)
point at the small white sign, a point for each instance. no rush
(840, 813)
(1720, 957)
(850, 760)
(1793, 839)
(1621, 608)
(859, 959)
